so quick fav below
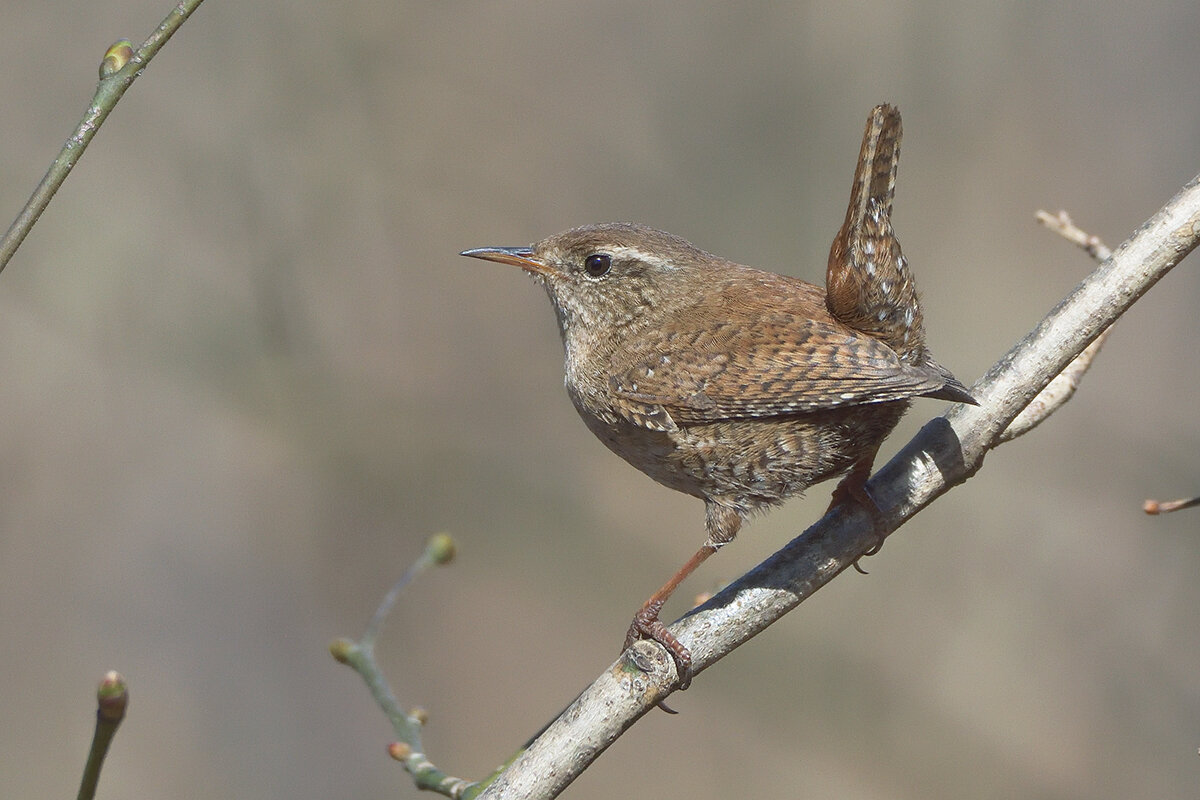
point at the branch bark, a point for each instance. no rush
(946, 452)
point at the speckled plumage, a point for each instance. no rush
(734, 385)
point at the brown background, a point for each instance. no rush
(245, 375)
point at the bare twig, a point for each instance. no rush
(1063, 387)
(112, 698)
(1154, 507)
(119, 69)
(360, 656)
(1062, 224)
(946, 452)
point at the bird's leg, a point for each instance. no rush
(647, 625)
(722, 523)
(854, 487)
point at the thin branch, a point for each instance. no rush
(946, 452)
(360, 656)
(1155, 507)
(118, 70)
(1063, 387)
(1062, 224)
(112, 698)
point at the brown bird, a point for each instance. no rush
(734, 385)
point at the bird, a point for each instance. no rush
(735, 385)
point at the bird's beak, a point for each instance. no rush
(517, 256)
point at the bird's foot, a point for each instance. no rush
(854, 488)
(646, 625)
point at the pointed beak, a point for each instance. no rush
(517, 256)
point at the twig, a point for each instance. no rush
(112, 698)
(946, 452)
(1154, 507)
(1063, 387)
(1062, 224)
(360, 656)
(118, 70)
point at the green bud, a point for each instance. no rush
(115, 58)
(441, 548)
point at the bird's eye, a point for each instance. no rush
(597, 264)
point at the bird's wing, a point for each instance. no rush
(782, 364)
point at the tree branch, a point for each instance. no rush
(946, 452)
(1063, 387)
(1156, 507)
(118, 70)
(360, 656)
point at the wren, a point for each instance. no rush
(734, 385)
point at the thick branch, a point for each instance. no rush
(946, 452)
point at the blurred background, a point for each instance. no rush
(246, 375)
